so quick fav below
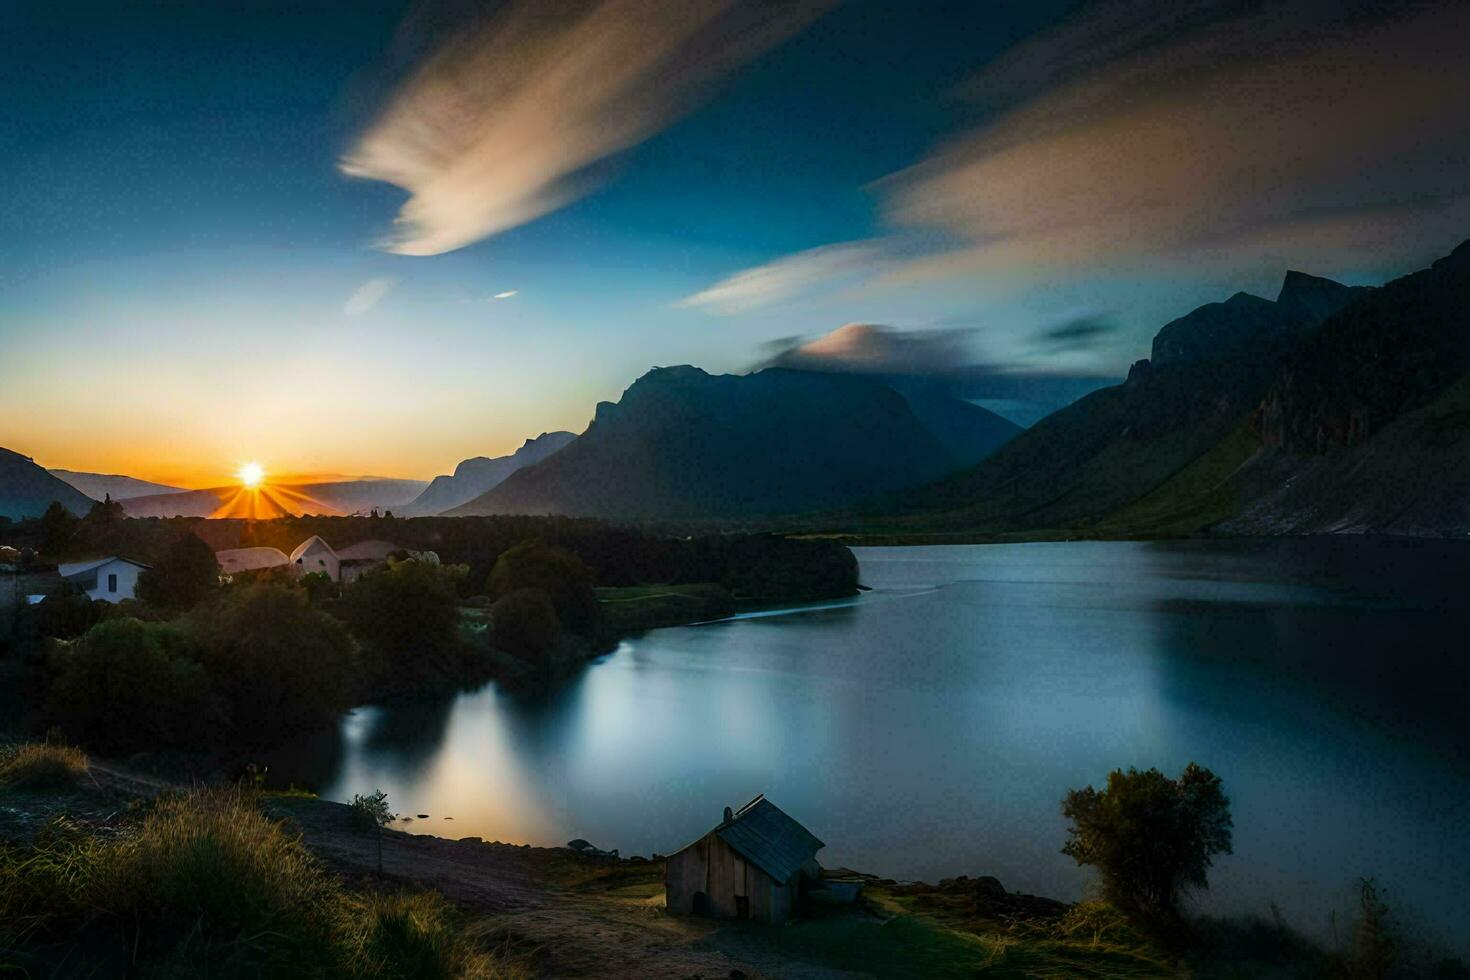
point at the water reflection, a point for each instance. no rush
(931, 727)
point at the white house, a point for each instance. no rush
(232, 561)
(315, 555)
(111, 579)
(359, 559)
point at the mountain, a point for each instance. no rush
(1110, 449)
(277, 500)
(683, 444)
(481, 474)
(26, 490)
(100, 485)
(1366, 426)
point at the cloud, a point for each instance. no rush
(787, 277)
(499, 125)
(1227, 129)
(1078, 333)
(505, 295)
(867, 348)
(368, 295)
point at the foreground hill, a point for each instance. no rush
(682, 444)
(118, 487)
(334, 498)
(482, 474)
(1209, 371)
(26, 489)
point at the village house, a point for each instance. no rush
(315, 555)
(111, 579)
(233, 561)
(750, 866)
(361, 558)
(311, 555)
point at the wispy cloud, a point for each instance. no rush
(498, 126)
(368, 295)
(1325, 128)
(787, 277)
(1217, 135)
(505, 295)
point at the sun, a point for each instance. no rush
(251, 475)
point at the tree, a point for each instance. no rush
(185, 574)
(129, 686)
(407, 617)
(524, 624)
(280, 665)
(57, 527)
(1151, 837)
(371, 813)
(562, 576)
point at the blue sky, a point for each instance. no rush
(181, 241)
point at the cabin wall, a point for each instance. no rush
(710, 867)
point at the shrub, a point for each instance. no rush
(407, 617)
(524, 624)
(1150, 837)
(562, 576)
(182, 577)
(279, 665)
(128, 686)
(36, 766)
(208, 885)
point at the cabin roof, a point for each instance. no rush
(309, 544)
(249, 559)
(73, 568)
(763, 834)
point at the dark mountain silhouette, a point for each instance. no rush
(481, 474)
(26, 490)
(683, 444)
(99, 485)
(1209, 371)
(1366, 427)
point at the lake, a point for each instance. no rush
(930, 727)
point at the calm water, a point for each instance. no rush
(930, 727)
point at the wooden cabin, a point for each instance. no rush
(748, 867)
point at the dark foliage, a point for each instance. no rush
(57, 527)
(128, 686)
(279, 665)
(563, 577)
(406, 618)
(524, 624)
(1150, 837)
(182, 577)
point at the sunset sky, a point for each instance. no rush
(378, 238)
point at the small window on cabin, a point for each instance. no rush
(742, 906)
(322, 562)
(112, 583)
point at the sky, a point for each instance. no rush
(382, 237)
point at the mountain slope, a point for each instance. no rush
(26, 490)
(683, 444)
(278, 500)
(100, 485)
(481, 474)
(1209, 371)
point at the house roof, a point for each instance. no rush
(372, 550)
(763, 834)
(310, 544)
(233, 560)
(72, 569)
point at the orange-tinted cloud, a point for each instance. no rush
(496, 128)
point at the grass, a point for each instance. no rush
(205, 884)
(41, 766)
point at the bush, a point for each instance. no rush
(524, 624)
(128, 686)
(407, 618)
(279, 665)
(562, 576)
(35, 766)
(183, 577)
(1150, 837)
(208, 885)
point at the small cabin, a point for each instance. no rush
(315, 555)
(363, 557)
(110, 579)
(233, 561)
(750, 866)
